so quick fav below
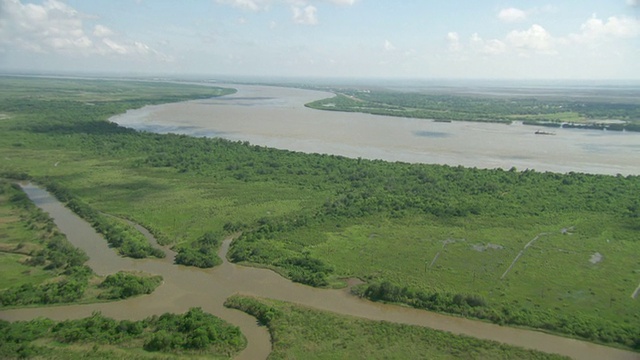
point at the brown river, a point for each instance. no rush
(276, 117)
(186, 287)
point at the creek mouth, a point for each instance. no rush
(186, 287)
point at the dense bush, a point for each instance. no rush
(264, 313)
(202, 253)
(585, 326)
(16, 338)
(123, 285)
(306, 270)
(66, 290)
(194, 330)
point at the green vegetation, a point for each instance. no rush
(298, 332)
(168, 335)
(51, 270)
(413, 231)
(31, 248)
(118, 234)
(201, 253)
(39, 248)
(540, 111)
(123, 285)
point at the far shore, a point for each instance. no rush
(276, 117)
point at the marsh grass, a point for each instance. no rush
(302, 333)
(373, 220)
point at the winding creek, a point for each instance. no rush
(186, 287)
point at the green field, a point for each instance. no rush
(580, 109)
(192, 335)
(39, 266)
(16, 241)
(344, 337)
(320, 218)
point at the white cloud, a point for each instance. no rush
(42, 28)
(453, 39)
(388, 46)
(510, 15)
(102, 31)
(343, 2)
(535, 38)
(513, 15)
(305, 15)
(56, 28)
(304, 11)
(596, 29)
(114, 46)
(633, 2)
(494, 47)
(488, 47)
(252, 5)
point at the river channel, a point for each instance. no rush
(276, 117)
(186, 287)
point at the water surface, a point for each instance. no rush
(276, 117)
(186, 287)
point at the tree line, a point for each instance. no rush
(192, 333)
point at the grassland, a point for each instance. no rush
(320, 218)
(16, 242)
(579, 110)
(192, 335)
(343, 337)
(39, 266)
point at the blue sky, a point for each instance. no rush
(418, 39)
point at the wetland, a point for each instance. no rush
(185, 287)
(416, 236)
(277, 117)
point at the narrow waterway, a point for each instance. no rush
(186, 287)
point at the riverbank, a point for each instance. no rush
(188, 287)
(373, 220)
(276, 117)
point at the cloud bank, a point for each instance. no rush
(55, 27)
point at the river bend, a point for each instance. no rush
(276, 117)
(186, 287)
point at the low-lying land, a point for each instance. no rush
(168, 336)
(342, 337)
(585, 112)
(433, 237)
(40, 267)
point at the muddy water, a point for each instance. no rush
(276, 117)
(186, 287)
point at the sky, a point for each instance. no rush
(408, 39)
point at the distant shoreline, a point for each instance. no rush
(276, 117)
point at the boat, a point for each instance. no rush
(540, 132)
